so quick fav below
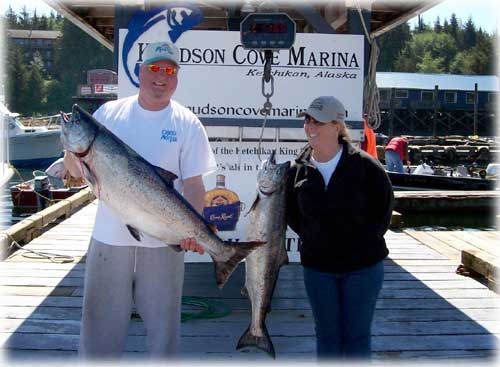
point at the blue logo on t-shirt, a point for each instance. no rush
(169, 135)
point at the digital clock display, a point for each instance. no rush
(267, 31)
(268, 27)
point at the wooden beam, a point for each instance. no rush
(29, 228)
(403, 18)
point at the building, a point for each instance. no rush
(31, 41)
(437, 104)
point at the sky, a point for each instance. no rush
(483, 12)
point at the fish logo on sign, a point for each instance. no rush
(179, 18)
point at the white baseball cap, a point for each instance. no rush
(161, 51)
(325, 109)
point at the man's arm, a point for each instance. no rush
(194, 192)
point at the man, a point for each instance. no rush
(396, 152)
(121, 271)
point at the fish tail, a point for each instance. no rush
(224, 269)
(261, 342)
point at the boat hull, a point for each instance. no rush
(406, 181)
(35, 149)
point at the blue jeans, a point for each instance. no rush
(393, 161)
(343, 306)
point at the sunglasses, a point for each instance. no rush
(169, 70)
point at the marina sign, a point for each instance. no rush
(219, 78)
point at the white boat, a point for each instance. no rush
(5, 167)
(32, 146)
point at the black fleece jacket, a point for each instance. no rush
(341, 226)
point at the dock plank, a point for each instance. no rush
(425, 311)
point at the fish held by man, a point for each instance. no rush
(266, 222)
(143, 195)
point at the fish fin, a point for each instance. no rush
(167, 176)
(261, 342)
(134, 232)
(224, 269)
(244, 291)
(254, 204)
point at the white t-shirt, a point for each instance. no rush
(327, 168)
(173, 139)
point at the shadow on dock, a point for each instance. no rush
(425, 312)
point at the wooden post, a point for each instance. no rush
(123, 14)
(391, 113)
(434, 117)
(475, 110)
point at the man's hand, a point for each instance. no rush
(189, 244)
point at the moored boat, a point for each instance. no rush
(411, 181)
(31, 146)
(40, 192)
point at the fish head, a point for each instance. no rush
(78, 132)
(271, 176)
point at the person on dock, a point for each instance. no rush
(396, 154)
(369, 144)
(121, 271)
(339, 202)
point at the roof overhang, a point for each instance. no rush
(98, 18)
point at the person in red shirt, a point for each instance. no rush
(396, 152)
(369, 145)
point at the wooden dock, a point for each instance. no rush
(425, 310)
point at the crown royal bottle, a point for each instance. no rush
(222, 206)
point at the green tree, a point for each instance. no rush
(55, 94)
(439, 46)
(44, 23)
(446, 27)
(455, 31)
(24, 19)
(437, 26)
(462, 64)
(16, 80)
(391, 45)
(469, 34)
(11, 19)
(77, 53)
(35, 94)
(430, 64)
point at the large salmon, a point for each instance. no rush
(142, 195)
(267, 223)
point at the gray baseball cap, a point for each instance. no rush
(325, 109)
(161, 51)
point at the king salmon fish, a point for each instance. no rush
(267, 222)
(142, 195)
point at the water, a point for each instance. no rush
(7, 218)
(452, 221)
(480, 220)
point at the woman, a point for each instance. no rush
(339, 202)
